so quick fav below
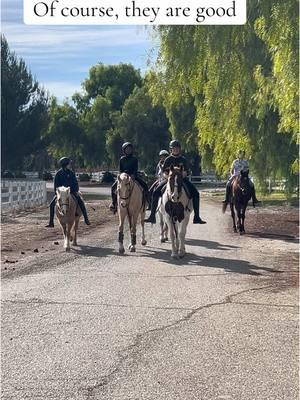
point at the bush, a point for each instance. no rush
(84, 177)
(108, 177)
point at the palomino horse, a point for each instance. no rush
(131, 204)
(241, 193)
(176, 209)
(68, 214)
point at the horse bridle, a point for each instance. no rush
(129, 195)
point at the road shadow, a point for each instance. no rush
(273, 236)
(93, 251)
(226, 264)
(208, 244)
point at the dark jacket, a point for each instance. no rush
(176, 162)
(67, 178)
(129, 165)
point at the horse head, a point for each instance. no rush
(175, 183)
(243, 183)
(63, 199)
(124, 188)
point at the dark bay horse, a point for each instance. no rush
(240, 194)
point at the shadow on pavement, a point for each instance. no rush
(209, 244)
(227, 264)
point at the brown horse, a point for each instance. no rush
(240, 194)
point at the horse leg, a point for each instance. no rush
(133, 235)
(181, 234)
(243, 220)
(233, 217)
(64, 229)
(121, 234)
(144, 241)
(75, 227)
(240, 227)
(173, 235)
(161, 224)
(67, 238)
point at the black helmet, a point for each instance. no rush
(174, 143)
(163, 153)
(125, 145)
(64, 161)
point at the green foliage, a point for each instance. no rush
(24, 107)
(232, 87)
(113, 82)
(145, 125)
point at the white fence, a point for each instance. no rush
(20, 193)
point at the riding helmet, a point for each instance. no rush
(174, 143)
(125, 145)
(163, 153)
(64, 161)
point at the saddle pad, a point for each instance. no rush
(175, 210)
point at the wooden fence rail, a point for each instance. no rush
(22, 194)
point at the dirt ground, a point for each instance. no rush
(24, 234)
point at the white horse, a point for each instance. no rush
(176, 208)
(68, 214)
(131, 204)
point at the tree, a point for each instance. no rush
(244, 84)
(145, 125)
(24, 106)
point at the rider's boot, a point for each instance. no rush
(113, 205)
(152, 219)
(51, 218)
(197, 219)
(83, 210)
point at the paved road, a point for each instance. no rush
(91, 324)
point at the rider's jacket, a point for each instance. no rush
(176, 161)
(66, 177)
(238, 166)
(129, 165)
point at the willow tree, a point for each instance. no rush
(242, 82)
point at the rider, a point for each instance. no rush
(238, 165)
(129, 165)
(65, 177)
(159, 173)
(177, 160)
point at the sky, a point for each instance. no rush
(61, 56)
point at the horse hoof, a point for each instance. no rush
(67, 249)
(144, 242)
(162, 240)
(71, 239)
(234, 230)
(75, 244)
(174, 256)
(132, 250)
(242, 233)
(121, 251)
(181, 255)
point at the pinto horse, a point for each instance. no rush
(176, 208)
(241, 193)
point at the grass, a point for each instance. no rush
(267, 199)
